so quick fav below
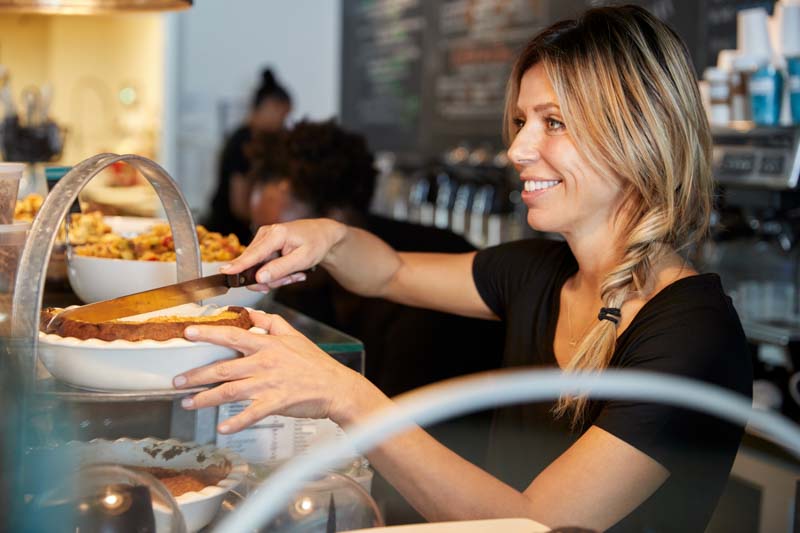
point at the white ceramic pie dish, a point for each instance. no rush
(125, 365)
(198, 507)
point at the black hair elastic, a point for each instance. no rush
(611, 314)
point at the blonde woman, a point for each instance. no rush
(612, 146)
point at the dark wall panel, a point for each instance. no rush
(421, 76)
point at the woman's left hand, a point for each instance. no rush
(282, 372)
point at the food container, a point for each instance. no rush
(10, 176)
(12, 240)
(125, 365)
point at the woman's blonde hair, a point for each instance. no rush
(629, 98)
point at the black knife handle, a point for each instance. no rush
(244, 278)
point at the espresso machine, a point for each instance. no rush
(755, 247)
(469, 190)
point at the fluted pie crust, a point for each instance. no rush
(159, 328)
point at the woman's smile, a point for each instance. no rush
(534, 188)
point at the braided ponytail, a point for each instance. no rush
(630, 278)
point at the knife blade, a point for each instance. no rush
(160, 298)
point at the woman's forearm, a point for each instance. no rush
(438, 483)
(362, 263)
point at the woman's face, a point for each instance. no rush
(270, 115)
(563, 193)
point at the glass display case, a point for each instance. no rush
(50, 423)
(61, 417)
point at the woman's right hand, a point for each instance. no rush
(288, 249)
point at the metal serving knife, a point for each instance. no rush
(161, 298)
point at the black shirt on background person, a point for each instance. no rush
(406, 347)
(318, 169)
(232, 161)
(230, 203)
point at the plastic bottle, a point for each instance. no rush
(790, 40)
(766, 92)
(765, 83)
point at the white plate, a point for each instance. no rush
(94, 279)
(128, 366)
(199, 507)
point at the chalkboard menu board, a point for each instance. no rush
(382, 70)
(474, 46)
(422, 76)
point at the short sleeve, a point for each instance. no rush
(700, 341)
(500, 271)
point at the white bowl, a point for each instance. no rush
(125, 365)
(94, 279)
(198, 507)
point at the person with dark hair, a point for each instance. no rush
(318, 169)
(328, 171)
(608, 134)
(229, 207)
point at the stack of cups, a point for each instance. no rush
(755, 56)
(12, 239)
(790, 41)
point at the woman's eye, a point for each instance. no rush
(519, 123)
(554, 125)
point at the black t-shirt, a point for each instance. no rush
(233, 160)
(688, 329)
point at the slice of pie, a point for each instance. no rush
(159, 328)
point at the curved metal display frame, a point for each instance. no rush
(29, 286)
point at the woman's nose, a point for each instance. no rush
(523, 150)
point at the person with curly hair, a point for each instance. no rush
(612, 145)
(319, 169)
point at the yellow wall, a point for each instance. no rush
(88, 59)
(23, 46)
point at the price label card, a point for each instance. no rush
(275, 439)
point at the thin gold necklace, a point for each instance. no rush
(572, 341)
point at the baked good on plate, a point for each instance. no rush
(158, 328)
(181, 481)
